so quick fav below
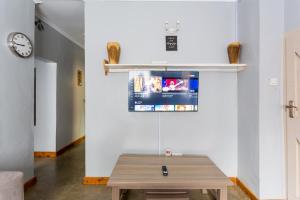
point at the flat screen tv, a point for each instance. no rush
(163, 91)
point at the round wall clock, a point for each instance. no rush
(20, 44)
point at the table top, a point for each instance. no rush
(184, 172)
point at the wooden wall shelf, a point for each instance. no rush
(205, 67)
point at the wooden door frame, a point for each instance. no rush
(284, 102)
(284, 117)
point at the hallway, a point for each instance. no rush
(61, 178)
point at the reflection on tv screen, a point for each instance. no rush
(163, 91)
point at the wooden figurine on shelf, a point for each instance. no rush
(113, 51)
(233, 50)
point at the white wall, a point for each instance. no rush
(248, 95)
(292, 15)
(16, 88)
(261, 135)
(272, 149)
(45, 128)
(206, 29)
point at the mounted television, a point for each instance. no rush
(163, 91)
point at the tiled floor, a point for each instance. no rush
(60, 179)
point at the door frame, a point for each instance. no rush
(284, 101)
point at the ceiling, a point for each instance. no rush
(66, 16)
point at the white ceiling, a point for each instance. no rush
(66, 16)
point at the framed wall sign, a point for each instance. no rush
(171, 43)
(79, 78)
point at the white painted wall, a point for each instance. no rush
(272, 149)
(292, 15)
(45, 128)
(16, 89)
(260, 148)
(206, 29)
(261, 135)
(248, 95)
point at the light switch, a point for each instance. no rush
(273, 81)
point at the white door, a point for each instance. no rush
(292, 101)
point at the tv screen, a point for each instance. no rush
(163, 91)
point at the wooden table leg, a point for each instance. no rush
(115, 193)
(223, 193)
(123, 194)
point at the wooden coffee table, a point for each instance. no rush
(185, 172)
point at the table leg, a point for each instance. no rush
(115, 193)
(223, 193)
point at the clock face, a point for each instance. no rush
(20, 44)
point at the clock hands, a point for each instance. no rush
(19, 44)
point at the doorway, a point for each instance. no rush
(59, 109)
(45, 105)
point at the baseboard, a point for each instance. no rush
(60, 152)
(64, 149)
(234, 180)
(31, 182)
(95, 180)
(244, 188)
(45, 154)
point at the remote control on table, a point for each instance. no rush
(164, 170)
